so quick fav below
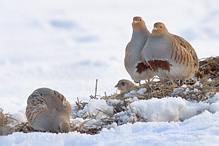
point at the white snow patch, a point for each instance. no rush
(132, 99)
(157, 110)
(214, 107)
(192, 109)
(142, 91)
(195, 90)
(184, 86)
(94, 106)
(186, 91)
(197, 83)
(19, 116)
(113, 101)
(209, 80)
(130, 94)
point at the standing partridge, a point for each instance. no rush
(133, 61)
(48, 110)
(125, 86)
(170, 56)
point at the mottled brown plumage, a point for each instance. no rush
(48, 110)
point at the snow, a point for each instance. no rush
(67, 45)
(19, 116)
(157, 110)
(94, 106)
(142, 90)
(214, 107)
(197, 83)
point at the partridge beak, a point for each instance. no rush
(116, 86)
(155, 28)
(135, 21)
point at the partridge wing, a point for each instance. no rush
(189, 48)
(66, 105)
(128, 56)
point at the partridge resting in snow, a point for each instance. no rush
(133, 61)
(125, 86)
(48, 110)
(170, 56)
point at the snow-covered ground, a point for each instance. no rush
(66, 45)
(200, 130)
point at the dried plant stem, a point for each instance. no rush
(104, 112)
(95, 95)
(130, 107)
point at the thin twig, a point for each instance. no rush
(105, 112)
(95, 95)
(130, 107)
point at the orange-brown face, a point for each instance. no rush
(159, 29)
(138, 24)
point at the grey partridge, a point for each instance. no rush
(170, 56)
(48, 110)
(137, 69)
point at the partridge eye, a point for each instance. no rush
(123, 84)
(140, 19)
(160, 26)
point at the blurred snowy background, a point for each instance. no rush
(67, 45)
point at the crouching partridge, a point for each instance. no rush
(133, 61)
(170, 56)
(48, 110)
(125, 86)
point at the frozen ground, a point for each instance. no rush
(67, 45)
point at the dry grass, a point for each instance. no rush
(208, 78)
(6, 123)
(204, 87)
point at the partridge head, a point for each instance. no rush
(138, 24)
(159, 29)
(125, 86)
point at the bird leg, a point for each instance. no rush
(180, 82)
(149, 83)
(162, 81)
(173, 83)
